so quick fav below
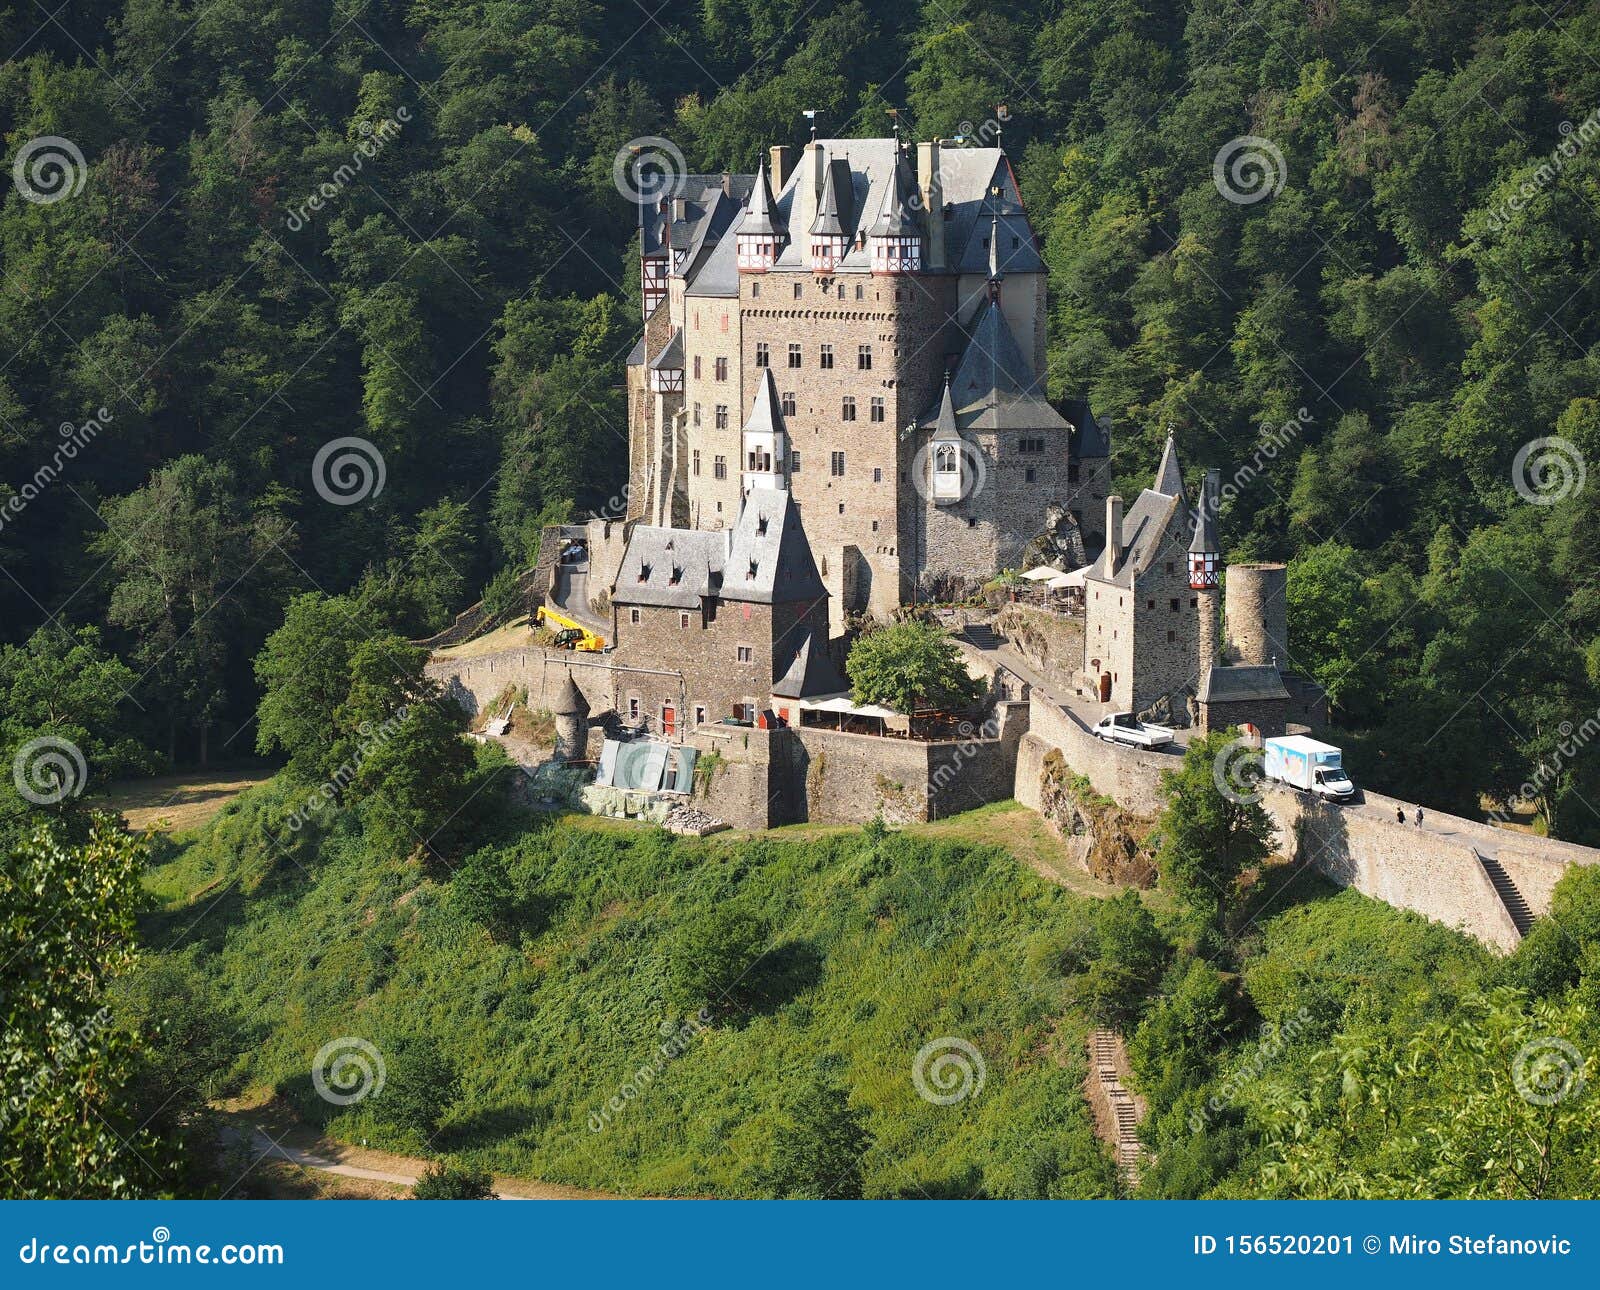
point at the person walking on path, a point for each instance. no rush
(1419, 817)
(1400, 814)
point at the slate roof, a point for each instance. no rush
(994, 387)
(836, 215)
(569, 699)
(1091, 438)
(895, 215)
(769, 559)
(707, 209)
(766, 409)
(1143, 526)
(673, 567)
(1169, 477)
(671, 356)
(758, 215)
(999, 236)
(1205, 521)
(809, 672)
(1242, 684)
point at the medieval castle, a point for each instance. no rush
(838, 408)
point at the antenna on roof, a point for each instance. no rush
(810, 115)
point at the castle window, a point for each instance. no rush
(1149, 604)
(1031, 443)
(675, 577)
(722, 369)
(877, 475)
(633, 704)
(755, 291)
(864, 357)
(644, 573)
(797, 291)
(826, 358)
(874, 526)
(761, 526)
(763, 354)
(719, 467)
(633, 615)
(877, 408)
(683, 618)
(945, 459)
(972, 522)
(697, 414)
(860, 293)
(697, 367)
(794, 462)
(836, 465)
(699, 714)
(794, 356)
(722, 416)
(1027, 475)
(1171, 636)
(750, 574)
(840, 292)
(745, 654)
(847, 410)
(1174, 604)
(1194, 602)
(694, 457)
(1172, 566)
(1072, 472)
(841, 508)
(787, 400)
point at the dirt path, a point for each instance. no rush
(274, 1136)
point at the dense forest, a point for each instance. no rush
(287, 224)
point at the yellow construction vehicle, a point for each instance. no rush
(569, 634)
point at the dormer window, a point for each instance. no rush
(644, 573)
(751, 575)
(676, 578)
(761, 526)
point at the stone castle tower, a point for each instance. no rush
(886, 307)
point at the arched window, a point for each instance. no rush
(946, 460)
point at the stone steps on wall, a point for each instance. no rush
(982, 636)
(1124, 1110)
(1516, 905)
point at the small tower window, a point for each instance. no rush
(787, 403)
(794, 356)
(825, 359)
(763, 354)
(847, 410)
(864, 357)
(876, 406)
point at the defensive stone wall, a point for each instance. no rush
(1434, 871)
(476, 681)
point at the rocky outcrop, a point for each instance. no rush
(1111, 843)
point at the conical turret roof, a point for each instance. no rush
(569, 700)
(895, 217)
(1205, 518)
(760, 214)
(766, 410)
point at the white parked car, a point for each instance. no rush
(1125, 728)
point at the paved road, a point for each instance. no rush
(571, 596)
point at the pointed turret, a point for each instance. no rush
(1205, 570)
(761, 233)
(996, 273)
(895, 237)
(830, 230)
(1169, 477)
(765, 440)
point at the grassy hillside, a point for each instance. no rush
(876, 945)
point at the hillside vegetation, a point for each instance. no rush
(612, 1008)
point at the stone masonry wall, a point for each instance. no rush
(1432, 871)
(477, 681)
(1051, 643)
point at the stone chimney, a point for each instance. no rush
(930, 185)
(1113, 534)
(803, 214)
(778, 162)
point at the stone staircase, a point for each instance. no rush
(1514, 901)
(1124, 1110)
(982, 636)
